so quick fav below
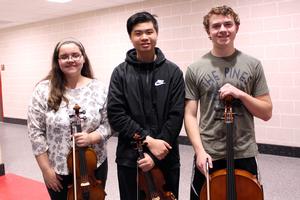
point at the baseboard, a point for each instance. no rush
(279, 150)
(271, 149)
(15, 121)
(2, 169)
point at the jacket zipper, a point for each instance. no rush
(147, 77)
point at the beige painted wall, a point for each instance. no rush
(269, 31)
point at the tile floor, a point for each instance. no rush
(280, 175)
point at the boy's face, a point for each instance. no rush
(222, 30)
(144, 37)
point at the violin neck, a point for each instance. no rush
(78, 128)
(141, 152)
(147, 175)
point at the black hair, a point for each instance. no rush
(141, 17)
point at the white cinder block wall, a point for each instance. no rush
(269, 30)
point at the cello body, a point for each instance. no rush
(82, 163)
(230, 183)
(247, 186)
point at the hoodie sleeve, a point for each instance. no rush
(117, 109)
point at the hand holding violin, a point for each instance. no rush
(146, 163)
(82, 139)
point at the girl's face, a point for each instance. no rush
(70, 60)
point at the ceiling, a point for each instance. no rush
(17, 12)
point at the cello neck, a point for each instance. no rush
(230, 178)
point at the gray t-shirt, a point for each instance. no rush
(204, 78)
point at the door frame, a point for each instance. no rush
(1, 98)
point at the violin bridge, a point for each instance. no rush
(84, 184)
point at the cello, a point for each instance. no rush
(151, 182)
(230, 183)
(82, 162)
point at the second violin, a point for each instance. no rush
(151, 182)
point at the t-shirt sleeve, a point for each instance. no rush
(260, 86)
(191, 91)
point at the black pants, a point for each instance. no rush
(100, 174)
(127, 178)
(248, 164)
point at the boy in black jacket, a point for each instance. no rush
(146, 96)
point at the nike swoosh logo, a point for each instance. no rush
(159, 82)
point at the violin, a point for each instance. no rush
(230, 183)
(82, 162)
(151, 182)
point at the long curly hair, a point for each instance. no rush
(57, 78)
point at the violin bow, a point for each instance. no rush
(207, 180)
